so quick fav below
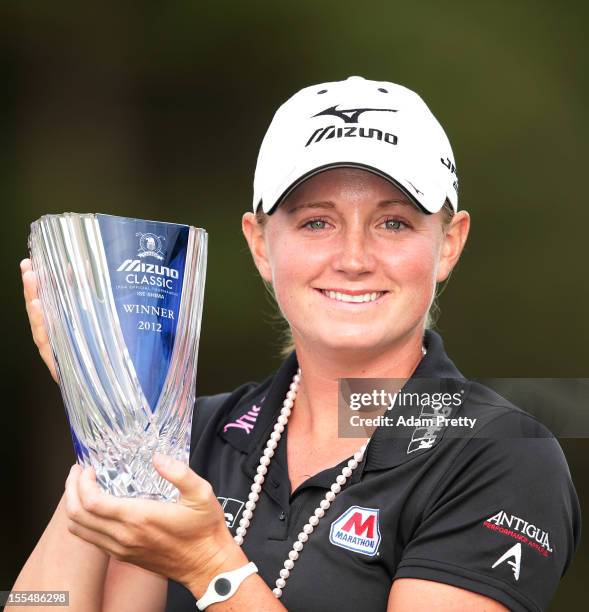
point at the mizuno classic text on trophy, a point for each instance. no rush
(122, 300)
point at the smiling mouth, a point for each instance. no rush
(356, 298)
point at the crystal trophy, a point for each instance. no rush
(122, 300)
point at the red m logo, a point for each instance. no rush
(357, 530)
(360, 527)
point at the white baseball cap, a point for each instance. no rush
(374, 125)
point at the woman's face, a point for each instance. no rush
(353, 262)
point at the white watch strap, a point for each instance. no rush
(224, 585)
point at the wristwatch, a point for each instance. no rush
(224, 585)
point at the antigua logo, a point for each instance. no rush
(522, 530)
(357, 529)
(150, 245)
(351, 115)
(516, 552)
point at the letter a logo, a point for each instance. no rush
(516, 552)
(357, 529)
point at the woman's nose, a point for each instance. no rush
(355, 254)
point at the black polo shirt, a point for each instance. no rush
(494, 512)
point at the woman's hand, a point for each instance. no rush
(36, 319)
(187, 541)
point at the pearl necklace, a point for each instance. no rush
(259, 478)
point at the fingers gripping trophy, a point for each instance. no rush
(122, 302)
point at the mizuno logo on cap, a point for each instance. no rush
(351, 131)
(351, 115)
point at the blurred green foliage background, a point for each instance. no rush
(156, 110)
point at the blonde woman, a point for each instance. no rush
(355, 222)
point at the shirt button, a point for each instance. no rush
(282, 516)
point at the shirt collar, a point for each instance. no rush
(250, 422)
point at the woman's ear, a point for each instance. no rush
(254, 234)
(452, 244)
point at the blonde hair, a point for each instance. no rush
(286, 340)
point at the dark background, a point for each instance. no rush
(156, 110)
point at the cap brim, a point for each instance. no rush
(344, 164)
(429, 197)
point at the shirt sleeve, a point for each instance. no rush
(503, 521)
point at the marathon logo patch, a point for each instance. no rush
(357, 529)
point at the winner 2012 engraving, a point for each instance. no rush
(154, 311)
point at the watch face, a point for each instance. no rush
(222, 586)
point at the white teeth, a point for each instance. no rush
(345, 297)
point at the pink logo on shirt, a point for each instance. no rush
(246, 421)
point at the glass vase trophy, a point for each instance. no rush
(122, 300)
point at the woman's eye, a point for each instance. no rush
(394, 224)
(315, 224)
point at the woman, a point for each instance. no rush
(354, 224)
